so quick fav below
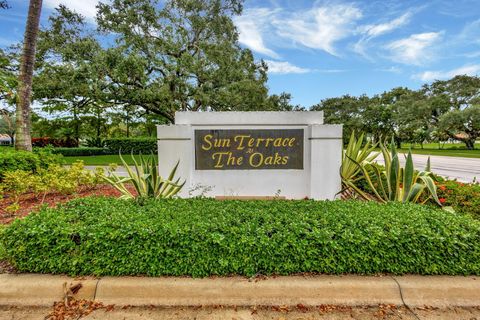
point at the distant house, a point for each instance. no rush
(5, 139)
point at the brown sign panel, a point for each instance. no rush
(248, 149)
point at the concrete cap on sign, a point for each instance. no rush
(234, 118)
(327, 131)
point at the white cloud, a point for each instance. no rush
(392, 69)
(250, 26)
(375, 30)
(414, 50)
(284, 67)
(372, 31)
(86, 8)
(472, 54)
(330, 70)
(319, 27)
(470, 70)
(471, 32)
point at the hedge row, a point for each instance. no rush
(12, 160)
(463, 197)
(52, 142)
(202, 237)
(135, 145)
(113, 146)
(83, 151)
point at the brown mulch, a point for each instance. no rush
(6, 267)
(30, 203)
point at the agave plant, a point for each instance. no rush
(393, 182)
(145, 179)
(354, 155)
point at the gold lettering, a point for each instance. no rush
(285, 160)
(232, 161)
(259, 140)
(219, 160)
(277, 159)
(206, 139)
(291, 143)
(268, 141)
(221, 143)
(268, 160)
(277, 142)
(240, 145)
(256, 163)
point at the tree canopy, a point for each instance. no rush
(146, 59)
(444, 109)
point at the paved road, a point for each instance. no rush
(462, 169)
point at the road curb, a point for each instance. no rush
(349, 290)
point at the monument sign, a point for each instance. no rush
(288, 154)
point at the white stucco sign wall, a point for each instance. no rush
(291, 154)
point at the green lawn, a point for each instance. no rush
(448, 149)
(100, 160)
(442, 146)
(446, 152)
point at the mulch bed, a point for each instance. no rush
(30, 203)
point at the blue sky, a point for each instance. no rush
(320, 49)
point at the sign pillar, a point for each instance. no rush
(174, 145)
(326, 158)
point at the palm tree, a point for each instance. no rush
(23, 139)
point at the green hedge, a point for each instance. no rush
(202, 237)
(129, 145)
(12, 160)
(112, 146)
(463, 197)
(83, 151)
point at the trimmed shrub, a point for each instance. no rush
(203, 237)
(54, 179)
(12, 160)
(76, 152)
(46, 141)
(129, 145)
(463, 197)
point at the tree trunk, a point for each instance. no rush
(127, 123)
(470, 143)
(76, 124)
(23, 139)
(398, 142)
(99, 123)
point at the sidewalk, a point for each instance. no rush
(36, 290)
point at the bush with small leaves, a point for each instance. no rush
(55, 179)
(204, 237)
